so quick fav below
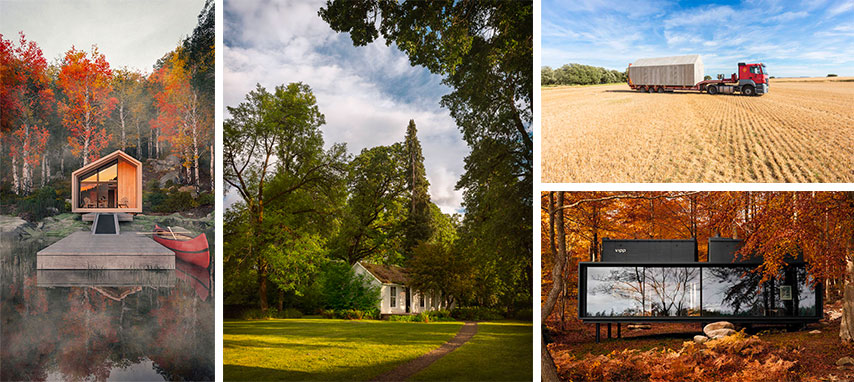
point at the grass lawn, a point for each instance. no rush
(500, 351)
(329, 350)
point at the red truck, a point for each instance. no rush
(680, 73)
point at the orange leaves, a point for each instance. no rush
(737, 358)
(85, 80)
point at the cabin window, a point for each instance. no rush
(421, 298)
(99, 188)
(393, 297)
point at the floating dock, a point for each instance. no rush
(127, 250)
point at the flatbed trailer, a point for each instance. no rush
(752, 79)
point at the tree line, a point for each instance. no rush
(80, 106)
(302, 206)
(578, 74)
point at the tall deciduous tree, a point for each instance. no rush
(374, 215)
(26, 101)
(127, 88)
(85, 81)
(484, 51)
(273, 151)
(418, 221)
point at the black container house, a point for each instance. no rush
(662, 280)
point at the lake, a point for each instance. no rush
(103, 325)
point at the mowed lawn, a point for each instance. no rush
(500, 351)
(325, 349)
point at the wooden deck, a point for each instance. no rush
(129, 250)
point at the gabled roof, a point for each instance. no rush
(387, 274)
(673, 60)
(107, 158)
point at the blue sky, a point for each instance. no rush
(368, 94)
(812, 38)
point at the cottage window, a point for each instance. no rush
(99, 188)
(393, 297)
(421, 300)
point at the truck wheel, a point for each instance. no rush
(712, 90)
(748, 90)
(639, 88)
(650, 89)
(661, 90)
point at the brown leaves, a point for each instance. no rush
(737, 358)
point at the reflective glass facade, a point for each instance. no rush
(707, 290)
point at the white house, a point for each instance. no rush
(396, 296)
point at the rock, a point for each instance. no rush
(845, 361)
(639, 327)
(700, 339)
(720, 333)
(190, 189)
(834, 315)
(815, 331)
(716, 326)
(171, 175)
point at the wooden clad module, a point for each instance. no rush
(669, 71)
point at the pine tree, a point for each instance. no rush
(418, 225)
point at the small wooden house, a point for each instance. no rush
(396, 296)
(110, 184)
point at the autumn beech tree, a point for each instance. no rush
(85, 80)
(26, 101)
(181, 118)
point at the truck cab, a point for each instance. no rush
(752, 78)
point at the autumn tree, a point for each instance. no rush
(85, 81)
(127, 89)
(418, 225)
(26, 101)
(273, 156)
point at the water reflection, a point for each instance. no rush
(98, 325)
(678, 292)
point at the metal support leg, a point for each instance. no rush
(619, 335)
(609, 330)
(597, 332)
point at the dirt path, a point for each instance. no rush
(403, 372)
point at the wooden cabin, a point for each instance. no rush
(110, 184)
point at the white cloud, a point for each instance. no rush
(367, 94)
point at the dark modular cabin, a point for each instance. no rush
(663, 281)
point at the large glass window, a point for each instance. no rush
(99, 188)
(672, 291)
(731, 291)
(615, 291)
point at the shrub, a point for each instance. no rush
(402, 318)
(290, 313)
(41, 204)
(328, 313)
(476, 313)
(257, 314)
(344, 289)
(832, 75)
(524, 314)
(206, 198)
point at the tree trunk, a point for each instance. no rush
(262, 284)
(47, 159)
(548, 370)
(62, 162)
(846, 327)
(556, 228)
(212, 167)
(122, 118)
(44, 171)
(16, 182)
(138, 141)
(281, 300)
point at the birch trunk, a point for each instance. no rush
(16, 182)
(212, 167)
(44, 164)
(47, 159)
(138, 141)
(122, 119)
(26, 170)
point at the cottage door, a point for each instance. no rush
(408, 299)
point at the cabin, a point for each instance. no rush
(112, 184)
(642, 281)
(396, 296)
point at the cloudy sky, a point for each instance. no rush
(811, 38)
(129, 33)
(368, 94)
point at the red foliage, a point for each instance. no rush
(85, 80)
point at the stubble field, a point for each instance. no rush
(801, 131)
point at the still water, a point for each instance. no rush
(103, 325)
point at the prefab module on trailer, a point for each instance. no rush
(686, 73)
(663, 281)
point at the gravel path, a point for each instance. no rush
(403, 372)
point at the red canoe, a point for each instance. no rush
(193, 250)
(198, 277)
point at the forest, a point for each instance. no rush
(60, 115)
(306, 214)
(578, 74)
(819, 226)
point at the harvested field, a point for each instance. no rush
(802, 131)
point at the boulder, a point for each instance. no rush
(700, 339)
(171, 175)
(190, 189)
(845, 361)
(716, 326)
(720, 333)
